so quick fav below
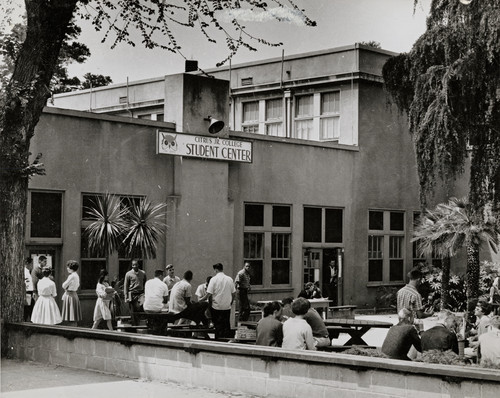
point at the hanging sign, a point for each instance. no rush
(202, 146)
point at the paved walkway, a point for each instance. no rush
(29, 379)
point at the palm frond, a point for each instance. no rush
(145, 224)
(107, 224)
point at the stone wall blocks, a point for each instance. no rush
(78, 361)
(295, 372)
(329, 376)
(96, 363)
(120, 351)
(213, 362)
(143, 353)
(488, 391)
(224, 382)
(58, 358)
(179, 375)
(66, 345)
(276, 388)
(254, 386)
(388, 383)
(428, 387)
(186, 359)
(84, 346)
(153, 372)
(100, 348)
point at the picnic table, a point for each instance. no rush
(315, 303)
(356, 328)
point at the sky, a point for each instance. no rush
(392, 23)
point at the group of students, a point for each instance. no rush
(292, 324)
(40, 305)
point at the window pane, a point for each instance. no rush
(333, 225)
(330, 103)
(395, 270)
(280, 246)
(275, 130)
(312, 224)
(330, 128)
(376, 220)
(375, 270)
(255, 271)
(396, 246)
(375, 246)
(250, 112)
(254, 129)
(280, 272)
(90, 270)
(303, 129)
(281, 216)
(88, 202)
(160, 117)
(274, 109)
(397, 221)
(253, 245)
(254, 215)
(304, 106)
(46, 209)
(84, 247)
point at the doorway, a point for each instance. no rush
(52, 254)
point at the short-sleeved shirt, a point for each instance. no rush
(489, 345)
(72, 283)
(170, 282)
(201, 290)
(180, 290)
(154, 291)
(409, 298)
(243, 279)
(221, 287)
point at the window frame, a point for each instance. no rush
(329, 116)
(250, 126)
(268, 231)
(386, 258)
(43, 240)
(278, 121)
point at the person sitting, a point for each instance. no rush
(481, 311)
(156, 293)
(297, 333)
(442, 336)
(307, 293)
(489, 343)
(269, 328)
(495, 296)
(286, 310)
(319, 330)
(402, 337)
(316, 293)
(180, 302)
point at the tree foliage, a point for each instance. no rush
(449, 86)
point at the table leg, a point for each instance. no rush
(356, 336)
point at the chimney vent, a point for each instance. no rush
(191, 66)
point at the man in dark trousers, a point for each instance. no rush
(221, 292)
(133, 289)
(242, 282)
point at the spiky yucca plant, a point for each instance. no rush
(450, 227)
(145, 223)
(105, 232)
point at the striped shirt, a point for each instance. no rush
(409, 298)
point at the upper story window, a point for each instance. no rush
(274, 117)
(304, 111)
(386, 246)
(323, 225)
(251, 117)
(330, 116)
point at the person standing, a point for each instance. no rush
(71, 310)
(46, 310)
(409, 298)
(156, 293)
(170, 280)
(333, 282)
(221, 292)
(105, 294)
(37, 274)
(28, 281)
(133, 288)
(201, 290)
(242, 283)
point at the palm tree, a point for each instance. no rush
(145, 222)
(105, 232)
(452, 226)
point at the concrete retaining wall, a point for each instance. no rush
(246, 369)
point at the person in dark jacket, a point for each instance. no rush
(402, 337)
(442, 336)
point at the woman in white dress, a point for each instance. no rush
(46, 310)
(105, 294)
(71, 310)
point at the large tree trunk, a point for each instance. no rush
(445, 284)
(20, 110)
(472, 277)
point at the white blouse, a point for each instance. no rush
(72, 283)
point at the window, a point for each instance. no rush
(146, 116)
(93, 261)
(323, 225)
(274, 117)
(46, 215)
(304, 117)
(160, 117)
(267, 243)
(251, 117)
(330, 116)
(386, 246)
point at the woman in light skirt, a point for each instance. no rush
(71, 310)
(105, 294)
(46, 310)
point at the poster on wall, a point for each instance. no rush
(205, 147)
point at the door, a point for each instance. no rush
(332, 266)
(52, 254)
(312, 259)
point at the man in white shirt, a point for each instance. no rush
(180, 302)
(201, 290)
(170, 280)
(221, 292)
(28, 280)
(156, 293)
(489, 343)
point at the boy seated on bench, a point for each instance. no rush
(155, 301)
(180, 303)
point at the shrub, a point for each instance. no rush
(365, 352)
(438, 356)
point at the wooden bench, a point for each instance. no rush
(341, 348)
(342, 311)
(126, 327)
